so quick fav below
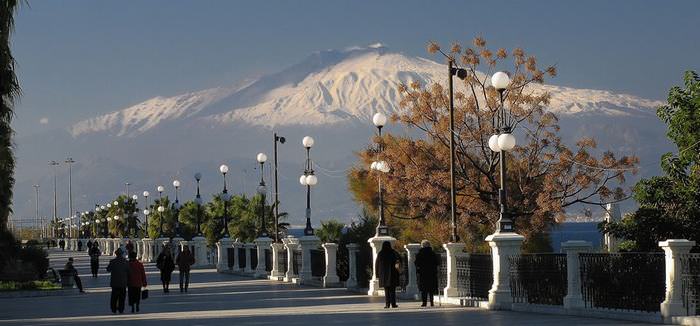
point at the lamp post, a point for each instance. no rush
(502, 142)
(133, 216)
(176, 206)
(308, 179)
(36, 201)
(461, 74)
(70, 162)
(198, 201)
(379, 120)
(262, 190)
(277, 200)
(126, 185)
(161, 209)
(225, 197)
(146, 212)
(55, 199)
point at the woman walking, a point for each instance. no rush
(184, 261)
(166, 265)
(94, 254)
(137, 280)
(387, 267)
(427, 263)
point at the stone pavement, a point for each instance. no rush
(221, 299)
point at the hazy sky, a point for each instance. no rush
(77, 59)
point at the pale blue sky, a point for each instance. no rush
(77, 59)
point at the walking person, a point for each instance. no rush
(119, 269)
(137, 280)
(94, 254)
(129, 247)
(184, 261)
(387, 267)
(166, 265)
(427, 263)
(69, 266)
(89, 245)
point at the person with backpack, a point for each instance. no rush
(137, 280)
(94, 254)
(184, 261)
(166, 265)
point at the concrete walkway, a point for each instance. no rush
(219, 299)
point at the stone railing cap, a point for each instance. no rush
(677, 243)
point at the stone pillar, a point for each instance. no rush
(353, 248)
(146, 250)
(451, 289)
(573, 248)
(138, 244)
(331, 278)
(291, 246)
(411, 252)
(200, 251)
(109, 247)
(307, 243)
(612, 214)
(262, 244)
(376, 244)
(277, 274)
(222, 253)
(236, 256)
(673, 303)
(248, 249)
(503, 245)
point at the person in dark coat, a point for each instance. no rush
(119, 269)
(184, 261)
(387, 267)
(129, 247)
(427, 263)
(69, 266)
(137, 280)
(166, 265)
(94, 254)
(89, 245)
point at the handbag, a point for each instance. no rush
(144, 294)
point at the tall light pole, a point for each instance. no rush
(146, 211)
(126, 184)
(54, 230)
(161, 209)
(70, 162)
(308, 179)
(501, 142)
(198, 201)
(176, 206)
(36, 199)
(461, 74)
(262, 190)
(134, 215)
(379, 120)
(225, 197)
(277, 191)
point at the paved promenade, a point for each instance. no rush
(219, 299)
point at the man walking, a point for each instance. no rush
(184, 261)
(119, 269)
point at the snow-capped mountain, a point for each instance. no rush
(330, 95)
(330, 87)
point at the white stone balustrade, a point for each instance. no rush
(411, 252)
(353, 249)
(222, 254)
(673, 302)
(307, 243)
(376, 244)
(331, 278)
(262, 244)
(573, 298)
(292, 246)
(277, 274)
(503, 245)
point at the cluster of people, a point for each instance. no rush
(166, 265)
(388, 265)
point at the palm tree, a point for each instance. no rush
(9, 92)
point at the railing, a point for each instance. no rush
(241, 258)
(342, 264)
(624, 281)
(690, 267)
(253, 257)
(297, 261)
(318, 263)
(282, 260)
(442, 271)
(364, 268)
(474, 276)
(538, 278)
(268, 260)
(230, 254)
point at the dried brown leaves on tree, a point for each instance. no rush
(544, 176)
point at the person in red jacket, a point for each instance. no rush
(137, 280)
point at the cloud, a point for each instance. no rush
(44, 121)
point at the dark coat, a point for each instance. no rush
(185, 260)
(427, 263)
(165, 263)
(119, 268)
(386, 267)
